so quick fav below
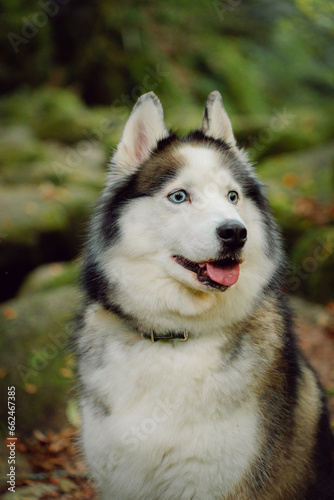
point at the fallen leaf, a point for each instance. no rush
(9, 312)
(30, 388)
(290, 180)
(40, 436)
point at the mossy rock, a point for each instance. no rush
(38, 225)
(50, 276)
(27, 212)
(304, 173)
(287, 131)
(297, 179)
(300, 191)
(311, 273)
(51, 112)
(60, 115)
(18, 145)
(83, 164)
(34, 355)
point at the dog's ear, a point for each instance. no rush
(216, 122)
(142, 132)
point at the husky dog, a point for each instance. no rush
(192, 385)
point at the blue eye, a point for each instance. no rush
(178, 196)
(233, 197)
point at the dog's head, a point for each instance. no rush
(182, 219)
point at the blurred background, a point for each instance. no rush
(70, 72)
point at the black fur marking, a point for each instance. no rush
(78, 325)
(206, 140)
(110, 210)
(166, 142)
(255, 191)
(206, 115)
(323, 459)
(98, 289)
(290, 354)
(94, 282)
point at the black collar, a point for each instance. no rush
(154, 336)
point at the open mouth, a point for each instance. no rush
(219, 274)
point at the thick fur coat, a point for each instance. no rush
(183, 246)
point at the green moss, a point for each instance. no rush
(25, 212)
(311, 170)
(34, 356)
(313, 258)
(58, 115)
(50, 276)
(19, 146)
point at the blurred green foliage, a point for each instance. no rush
(258, 53)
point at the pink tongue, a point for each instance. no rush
(226, 276)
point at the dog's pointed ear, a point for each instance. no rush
(142, 132)
(216, 122)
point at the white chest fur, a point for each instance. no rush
(182, 423)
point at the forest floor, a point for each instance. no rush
(50, 466)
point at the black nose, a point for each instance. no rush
(233, 234)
